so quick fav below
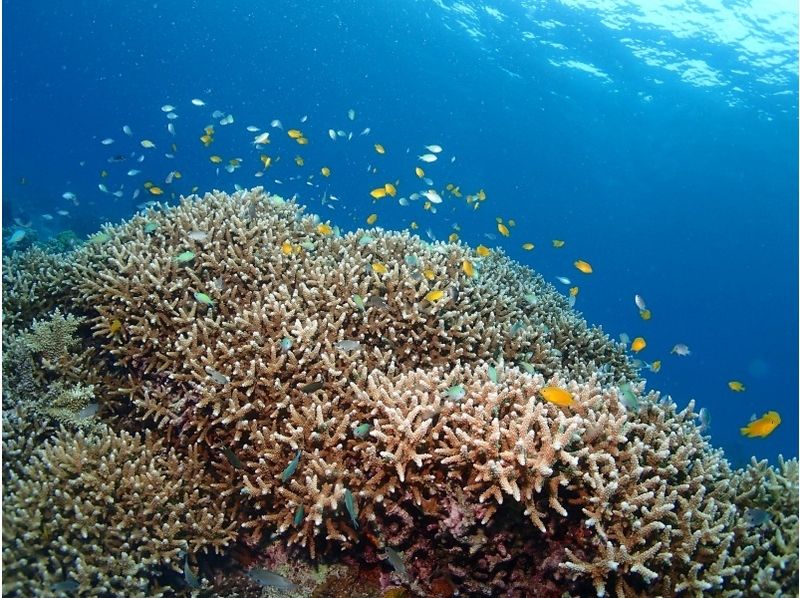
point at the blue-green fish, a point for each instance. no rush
(528, 367)
(203, 298)
(188, 575)
(299, 515)
(362, 430)
(457, 392)
(359, 301)
(492, 371)
(365, 240)
(150, 227)
(186, 256)
(286, 344)
(292, 467)
(18, 235)
(350, 505)
(628, 398)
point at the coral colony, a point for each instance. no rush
(229, 397)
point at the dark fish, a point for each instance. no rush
(232, 458)
(188, 574)
(312, 387)
(291, 468)
(68, 585)
(377, 301)
(756, 517)
(269, 579)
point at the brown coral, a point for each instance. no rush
(316, 390)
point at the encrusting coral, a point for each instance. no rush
(341, 409)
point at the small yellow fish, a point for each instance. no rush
(390, 189)
(434, 295)
(299, 160)
(103, 173)
(266, 161)
(736, 386)
(146, 143)
(638, 344)
(215, 159)
(206, 139)
(557, 396)
(294, 133)
(527, 246)
(452, 237)
(324, 229)
(483, 251)
(413, 226)
(156, 190)
(655, 367)
(178, 174)
(763, 426)
(115, 327)
(378, 192)
(302, 140)
(372, 218)
(573, 291)
(419, 172)
(503, 229)
(379, 268)
(558, 243)
(645, 314)
(379, 148)
(584, 267)
(234, 162)
(286, 248)
(468, 268)
(429, 274)
(325, 171)
(512, 223)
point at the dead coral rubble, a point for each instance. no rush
(339, 410)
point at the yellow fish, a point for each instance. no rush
(103, 173)
(645, 314)
(558, 243)
(414, 226)
(468, 268)
(557, 396)
(378, 192)
(146, 143)
(453, 237)
(115, 327)
(379, 268)
(294, 133)
(503, 230)
(573, 291)
(638, 344)
(483, 251)
(512, 223)
(736, 386)
(206, 139)
(324, 229)
(302, 140)
(286, 248)
(325, 171)
(527, 246)
(419, 172)
(372, 218)
(379, 148)
(655, 367)
(178, 174)
(584, 267)
(763, 426)
(299, 160)
(429, 274)
(266, 161)
(481, 195)
(434, 295)
(215, 159)
(390, 189)
(156, 190)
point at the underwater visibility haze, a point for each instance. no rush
(514, 261)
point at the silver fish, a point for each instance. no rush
(270, 579)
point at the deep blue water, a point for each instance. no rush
(660, 145)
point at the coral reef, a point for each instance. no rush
(334, 408)
(105, 514)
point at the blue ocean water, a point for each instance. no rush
(658, 140)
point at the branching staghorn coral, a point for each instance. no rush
(337, 408)
(109, 513)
